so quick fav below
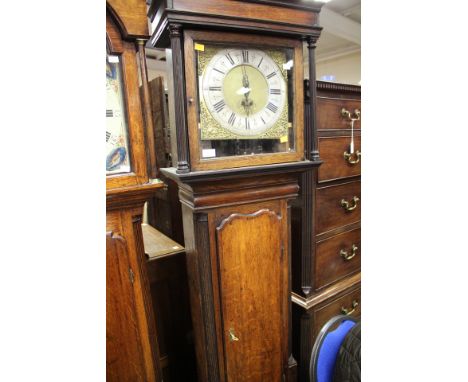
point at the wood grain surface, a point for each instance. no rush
(251, 257)
(241, 9)
(330, 265)
(124, 355)
(330, 213)
(334, 165)
(329, 113)
(131, 15)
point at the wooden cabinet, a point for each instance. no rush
(131, 343)
(326, 221)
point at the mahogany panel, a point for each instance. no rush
(335, 166)
(241, 9)
(329, 113)
(330, 264)
(330, 213)
(251, 246)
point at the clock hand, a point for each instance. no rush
(245, 78)
(246, 102)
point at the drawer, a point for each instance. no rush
(337, 257)
(329, 113)
(335, 165)
(350, 303)
(338, 206)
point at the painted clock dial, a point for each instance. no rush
(117, 155)
(244, 91)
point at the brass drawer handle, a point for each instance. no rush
(356, 115)
(344, 254)
(232, 336)
(349, 157)
(348, 206)
(350, 311)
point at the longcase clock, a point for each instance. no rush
(241, 145)
(131, 344)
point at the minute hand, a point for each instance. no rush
(246, 102)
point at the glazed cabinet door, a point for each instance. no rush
(252, 277)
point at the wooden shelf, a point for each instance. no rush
(158, 245)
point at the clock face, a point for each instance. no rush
(117, 160)
(244, 90)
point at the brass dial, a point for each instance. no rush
(244, 90)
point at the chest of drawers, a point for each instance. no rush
(326, 230)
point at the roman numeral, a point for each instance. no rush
(108, 135)
(245, 55)
(215, 88)
(272, 107)
(247, 124)
(219, 71)
(275, 91)
(263, 120)
(218, 106)
(272, 74)
(232, 119)
(228, 56)
(109, 113)
(260, 63)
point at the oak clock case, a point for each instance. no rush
(242, 92)
(131, 345)
(238, 124)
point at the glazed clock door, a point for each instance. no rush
(252, 269)
(242, 93)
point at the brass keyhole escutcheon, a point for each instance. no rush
(232, 335)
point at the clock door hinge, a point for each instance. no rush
(131, 275)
